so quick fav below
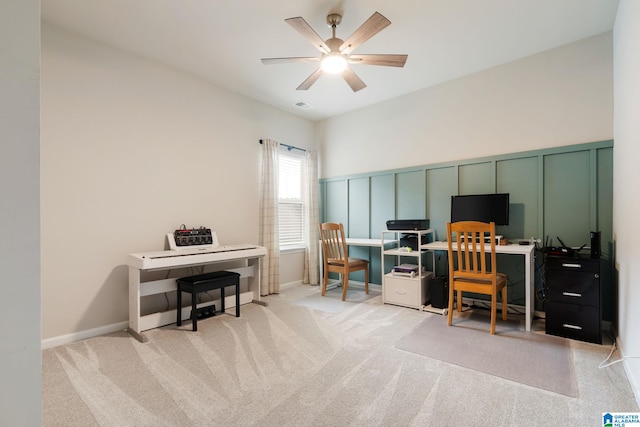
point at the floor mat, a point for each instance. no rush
(538, 360)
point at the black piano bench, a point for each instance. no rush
(203, 283)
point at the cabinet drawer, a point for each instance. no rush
(405, 291)
(573, 321)
(573, 287)
(573, 264)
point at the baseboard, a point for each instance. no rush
(82, 335)
(634, 382)
(291, 284)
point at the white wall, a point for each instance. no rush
(626, 176)
(130, 150)
(20, 356)
(559, 97)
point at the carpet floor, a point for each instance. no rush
(287, 364)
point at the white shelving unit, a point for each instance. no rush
(407, 291)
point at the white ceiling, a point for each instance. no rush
(223, 41)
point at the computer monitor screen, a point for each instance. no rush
(481, 207)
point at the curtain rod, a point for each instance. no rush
(290, 147)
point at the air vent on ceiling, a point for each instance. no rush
(303, 105)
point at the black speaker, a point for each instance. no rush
(596, 251)
(439, 292)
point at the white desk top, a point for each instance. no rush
(354, 241)
(506, 249)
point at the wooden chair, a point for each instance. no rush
(469, 270)
(336, 257)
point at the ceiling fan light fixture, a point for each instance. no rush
(337, 53)
(333, 63)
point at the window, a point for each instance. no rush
(290, 201)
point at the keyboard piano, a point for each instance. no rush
(244, 259)
(189, 257)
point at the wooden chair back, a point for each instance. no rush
(336, 257)
(468, 251)
(334, 247)
(472, 268)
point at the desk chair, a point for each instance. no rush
(336, 257)
(468, 267)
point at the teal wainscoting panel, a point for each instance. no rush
(518, 177)
(441, 185)
(410, 195)
(336, 207)
(358, 220)
(382, 209)
(358, 208)
(567, 197)
(336, 202)
(383, 206)
(478, 178)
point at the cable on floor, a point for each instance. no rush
(603, 364)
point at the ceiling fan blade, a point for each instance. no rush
(269, 61)
(310, 80)
(388, 60)
(301, 26)
(353, 80)
(370, 28)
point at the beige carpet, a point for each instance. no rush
(542, 361)
(291, 365)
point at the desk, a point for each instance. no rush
(352, 241)
(527, 252)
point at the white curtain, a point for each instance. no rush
(310, 188)
(270, 271)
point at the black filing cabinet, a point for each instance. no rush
(574, 308)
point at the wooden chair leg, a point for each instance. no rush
(459, 302)
(325, 278)
(494, 301)
(450, 310)
(366, 280)
(503, 293)
(345, 284)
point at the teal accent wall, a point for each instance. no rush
(410, 195)
(561, 192)
(382, 208)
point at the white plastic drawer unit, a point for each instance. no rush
(406, 291)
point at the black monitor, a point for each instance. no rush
(481, 207)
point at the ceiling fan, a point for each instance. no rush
(336, 53)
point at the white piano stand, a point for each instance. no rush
(248, 256)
